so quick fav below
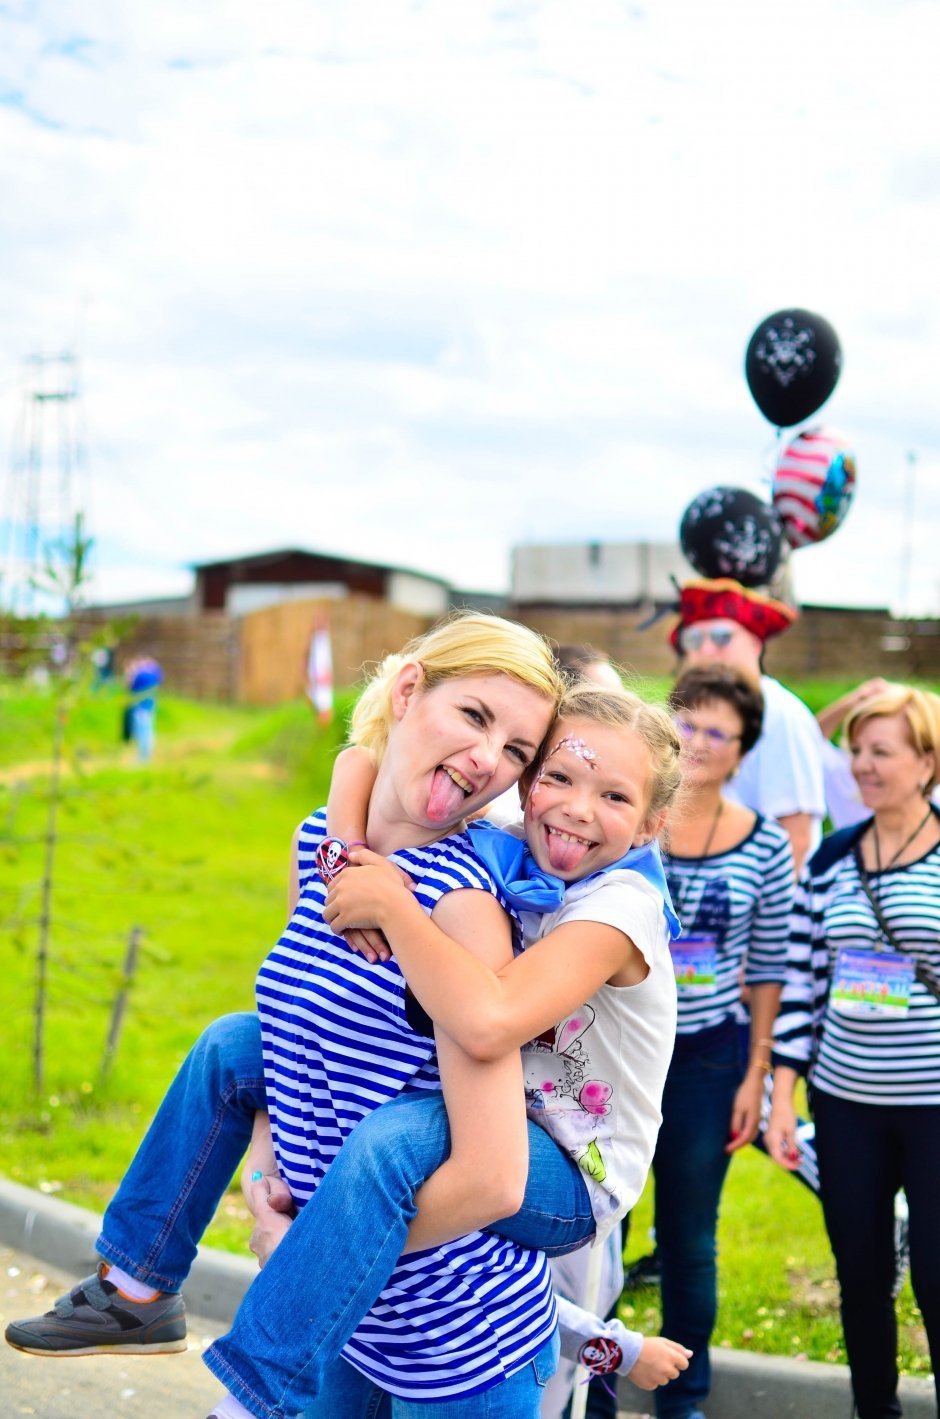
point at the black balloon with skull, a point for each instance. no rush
(731, 532)
(792, 365)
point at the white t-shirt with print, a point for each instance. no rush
(783, 773)
(595, 1081)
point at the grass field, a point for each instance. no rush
(193, 850)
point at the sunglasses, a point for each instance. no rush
(694, 637)
(714, 738)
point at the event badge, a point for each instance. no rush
(695, 962)
(871, 983)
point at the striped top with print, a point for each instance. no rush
(337, 1043)
(877, 1059)
(743, 898)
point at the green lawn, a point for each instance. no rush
(194, 850)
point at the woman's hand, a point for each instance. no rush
(362, 899)
(780, 1138)
(273, 1209)
(746, 1110)
(660, 1360)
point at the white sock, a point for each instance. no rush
(131, 1287)
(229, 1408)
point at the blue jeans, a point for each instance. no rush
(338, 1253)
(188, 1156)
(143, 728)
(347, 1394)
(689, 1167)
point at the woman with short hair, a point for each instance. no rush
(730, 872)
(860, 1017)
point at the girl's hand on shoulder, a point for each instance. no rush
(660, 1360)
(363, 899)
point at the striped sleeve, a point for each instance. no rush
(767, 946)
(794, 1025)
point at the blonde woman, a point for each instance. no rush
(860, 1016)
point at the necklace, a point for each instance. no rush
(682, 895)
(904, 846)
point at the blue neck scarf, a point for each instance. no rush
(527, 888)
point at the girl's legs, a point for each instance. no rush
(341, 1249)
(188, 1156)
(859, 1173)
(689, 1168)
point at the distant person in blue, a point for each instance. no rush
(142, 676)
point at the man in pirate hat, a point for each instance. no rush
(720, 621)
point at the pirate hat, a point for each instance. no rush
(722, 599)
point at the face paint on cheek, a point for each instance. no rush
(579, 749)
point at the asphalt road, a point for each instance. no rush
(128, 1387)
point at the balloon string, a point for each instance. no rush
(602, 1381)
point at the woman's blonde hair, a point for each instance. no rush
(622, 709)
(467, 643)
(921, 711)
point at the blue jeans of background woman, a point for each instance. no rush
(689, 1167)
(866, 1152)
(187, 1160)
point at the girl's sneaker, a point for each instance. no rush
(96, 1319)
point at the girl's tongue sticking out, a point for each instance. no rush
(565, 853)
(447, 797)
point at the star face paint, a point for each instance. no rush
(590, 799)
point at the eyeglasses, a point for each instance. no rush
(714, 738)
(694, 637)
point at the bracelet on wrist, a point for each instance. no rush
(761, 1064)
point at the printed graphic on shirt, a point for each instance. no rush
(695, 963)
(557, 1070)
(713, 913)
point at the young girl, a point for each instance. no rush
(591, 999)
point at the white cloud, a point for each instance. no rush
(418, 281)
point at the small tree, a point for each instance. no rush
(64, 578)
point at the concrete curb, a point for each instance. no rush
(63, 1235)
(744, 1386)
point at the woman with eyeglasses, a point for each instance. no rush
(722, 622)
(731, 875)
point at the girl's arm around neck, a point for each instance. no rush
(351, 785)
(485, 1011)
(484, 1177)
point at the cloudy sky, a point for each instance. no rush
(420, 281)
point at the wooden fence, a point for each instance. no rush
(825, 643)
(273, 643)
(261, 658)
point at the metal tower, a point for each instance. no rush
(46, 466)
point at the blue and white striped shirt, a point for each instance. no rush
(869, 1059)
(742, 897)
(453, 1320)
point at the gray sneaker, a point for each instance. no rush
(95, 1319)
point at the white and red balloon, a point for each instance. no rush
(813, 485)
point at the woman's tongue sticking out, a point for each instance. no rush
(446, 799)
